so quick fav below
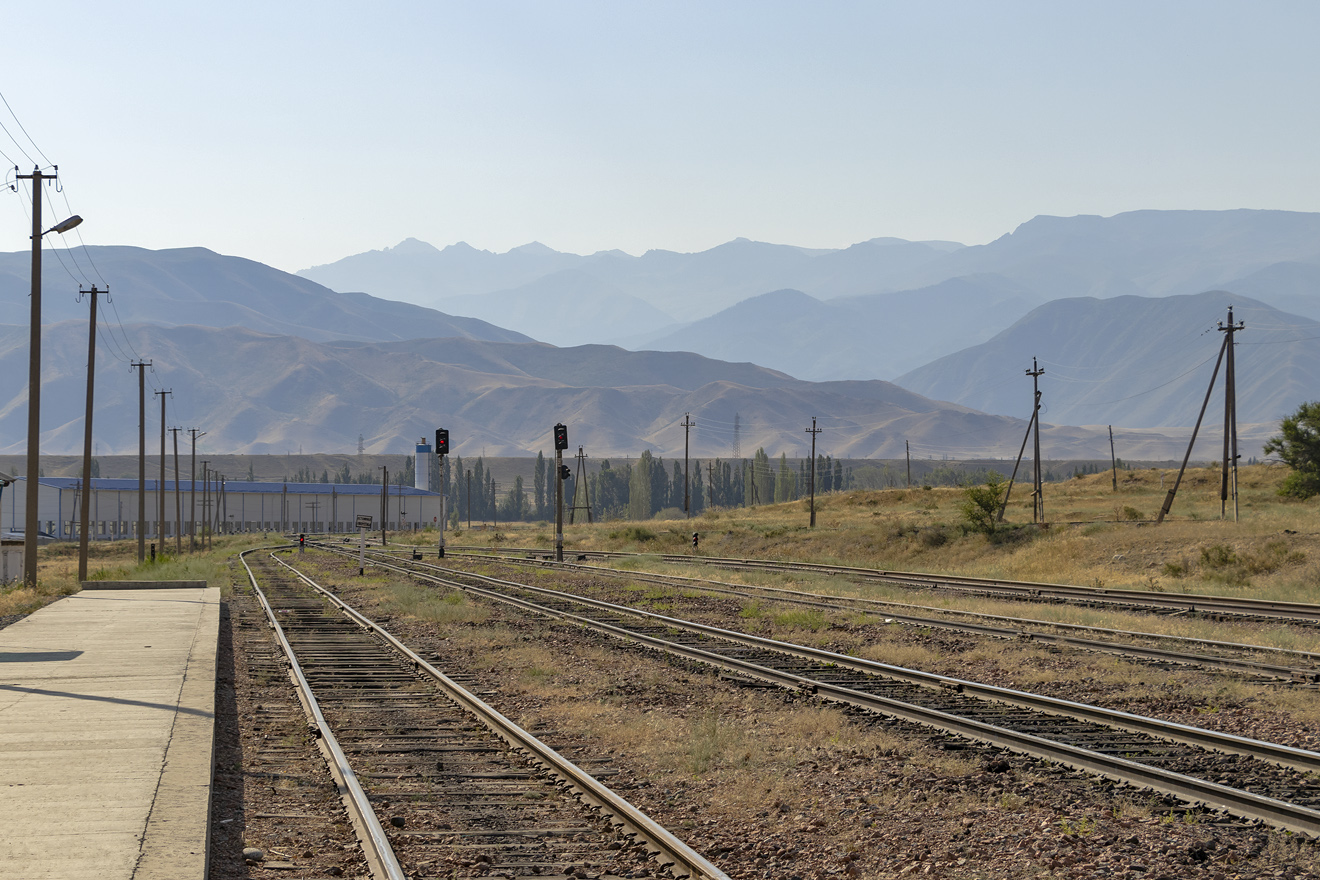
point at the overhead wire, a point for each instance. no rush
(25, 132)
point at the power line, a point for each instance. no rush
(24, 130)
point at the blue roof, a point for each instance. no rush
(242, 486)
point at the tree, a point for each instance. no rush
(981, 506)
(538, 486)
(1299, 447)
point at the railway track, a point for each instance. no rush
(1252, 609)
(1250, 779)
(436, 782)
(1301, 667)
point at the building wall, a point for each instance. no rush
(113, 513)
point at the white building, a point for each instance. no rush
(241, 506)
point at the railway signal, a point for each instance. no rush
(442, 449)
(561, 443)
(302, 543)
(696, 539)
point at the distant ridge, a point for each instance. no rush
(1134, 361)
(181, 286)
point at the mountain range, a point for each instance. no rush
(877, 309)
(256, 392)
(267, 362)
(182, 286)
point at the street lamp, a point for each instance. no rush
(34, 376)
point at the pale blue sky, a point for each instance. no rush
(299, 133)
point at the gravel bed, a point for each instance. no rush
(840, 810)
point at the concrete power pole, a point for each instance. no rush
(178, 502)
(192, 492)
(813, 431)
(31, 508)
(160, 488)
(687, 427)
(1230, 420)
(1038, 509)
(140, 366)
(83, 514)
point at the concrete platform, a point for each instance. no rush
(107, 703)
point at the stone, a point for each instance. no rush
(253, 853)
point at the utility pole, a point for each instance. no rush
(710, 484)
(192, 492)
(687, 427)
(160, 488)
(31, 509)
(206, 484)
(907, 450)
(178, 502)
(1038, 509)
(83, 515)
(384, 500)
(1230, 419)
(1113, 462)
(469, 499)
(813, 431)
(141, 366)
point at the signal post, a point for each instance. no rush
(442, 449)
(561, 443)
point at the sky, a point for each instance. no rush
(298, 133)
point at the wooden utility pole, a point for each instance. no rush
(160, 488)
(813, 431)
(384, 500)
(140, 366)
(687, 427)
(1230, 420)
(907, 449)
(1113, 462)
(1038, 510)
(84, 513)
(178, 502)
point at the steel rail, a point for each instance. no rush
(381, 860)
(1296, 611)
(1293, 817)
(855, 603)
(685, 862)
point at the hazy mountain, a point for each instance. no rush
(571, 307)
(1133, 361)
(261, 393)
(881, 307)
(197, 286)
(878, 335)
(686, 286)
(1152, 253)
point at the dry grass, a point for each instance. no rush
(430, 604)
(57, 570)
